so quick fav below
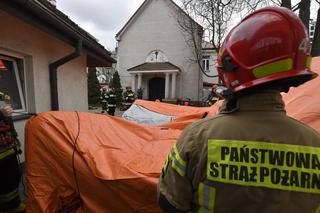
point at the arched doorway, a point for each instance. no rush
(156, 88)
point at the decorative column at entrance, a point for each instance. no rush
(133, 86)
(166, 96)
(139, 80)
(173, 85)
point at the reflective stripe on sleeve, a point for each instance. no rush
(272, 68)
(178, 163)
(168, 159)
(9, 196)
(207, 196)
(7, 153)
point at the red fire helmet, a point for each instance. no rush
(268, 45)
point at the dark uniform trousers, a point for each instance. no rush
(103, 99)
(9, 183)
(9, 175)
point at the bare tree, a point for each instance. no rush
(286, 3)
(304, 12)
(316, 38)
(215, 17)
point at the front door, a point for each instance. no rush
(156, 88)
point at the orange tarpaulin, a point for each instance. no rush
(303, 102)
(115, 164)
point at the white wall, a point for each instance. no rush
(156, 29)
(38, 49)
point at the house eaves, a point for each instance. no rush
(46, 17)
(123, 29)
(159, 66)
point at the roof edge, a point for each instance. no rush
(118, 35)
(133, 68)
(51, 20)
(130, 20)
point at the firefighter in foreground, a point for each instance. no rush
(111, 99)
(9, 166)
(103, 100)
(251, 157)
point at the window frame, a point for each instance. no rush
(206, 63)
(22, 91)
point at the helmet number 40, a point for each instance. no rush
(304, 45)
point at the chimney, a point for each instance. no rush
(53, 2)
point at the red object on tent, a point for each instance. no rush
(115, 164)
(2, 66)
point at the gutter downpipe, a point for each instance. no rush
(53, 74)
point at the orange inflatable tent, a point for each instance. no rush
(84, 162)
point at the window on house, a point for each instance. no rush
(311, 28)
(12, 82)
(205, 62)
(311, 34)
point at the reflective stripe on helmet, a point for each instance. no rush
(275, 67)
(308, 64)
(207, 196)
(7, 153)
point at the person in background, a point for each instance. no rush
(103, 100)
(111, 100)
(251, 157)
(129, 96)
(140, 93)
(212, 97)
(10, 173)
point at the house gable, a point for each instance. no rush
(140, 10)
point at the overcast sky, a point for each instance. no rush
(101, 18)
(104, 18)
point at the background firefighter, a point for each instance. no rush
(9, 164)
(129, 97)
(111, 100)
(212, 97)
(103, 100)
(140, 93)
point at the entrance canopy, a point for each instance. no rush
(154, 67)
(166, 68)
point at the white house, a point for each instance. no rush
(153, 53)
(312, 28)
(46, 55)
